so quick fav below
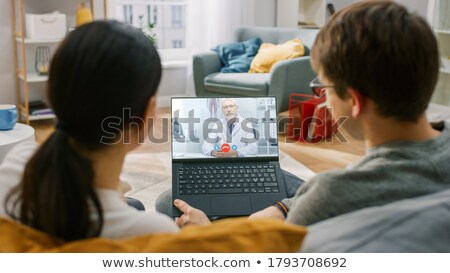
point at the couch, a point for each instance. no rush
(420, 224)
(231, 235)
(290, 76)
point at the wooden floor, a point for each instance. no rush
(319, 157)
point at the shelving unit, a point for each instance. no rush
(24, 75)
(439, 19)
(311, 12)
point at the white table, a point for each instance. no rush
(16, 135)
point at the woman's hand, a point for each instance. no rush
(191, 216)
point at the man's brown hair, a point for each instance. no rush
(380, 49)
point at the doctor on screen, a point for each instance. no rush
(234, 140)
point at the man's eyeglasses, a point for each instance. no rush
(318, 88)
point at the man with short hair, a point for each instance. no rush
(379, 65)
(233, 131)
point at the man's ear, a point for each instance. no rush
(357, 101)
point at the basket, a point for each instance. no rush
(309, 119)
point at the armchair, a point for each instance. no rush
(285, 77)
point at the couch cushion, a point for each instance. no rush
(240, 84)
(419, 224)
(269, 54)
(236, 57)
(277, 35)
(230, 235)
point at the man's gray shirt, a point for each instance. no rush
(388, 173)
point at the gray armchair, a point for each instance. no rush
(286, 77)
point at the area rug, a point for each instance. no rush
(149, 174)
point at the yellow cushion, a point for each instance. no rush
(230, 235)
(269, 54)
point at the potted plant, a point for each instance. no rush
(149, 30)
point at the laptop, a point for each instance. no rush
(225, 157)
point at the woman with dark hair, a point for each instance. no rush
(102, 85)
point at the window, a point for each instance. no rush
(149, 15)
(128, 14)
(177, 44)
(177, 20)
(155, 15)
(167, 16)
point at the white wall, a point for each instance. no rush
(339, 4)
(265, 13)
(419, 6)
(287, 13)
(7, 84)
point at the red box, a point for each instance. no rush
(309, 118)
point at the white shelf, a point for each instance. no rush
(291, 12)
(39, 41)
(443, 31)
(312, 12)
(308, 27)
(33, 77)
(446, 63)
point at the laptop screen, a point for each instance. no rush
(224, 128)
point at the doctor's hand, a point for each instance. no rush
(220, 154)
(191, 216)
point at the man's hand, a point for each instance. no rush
(191, 216)
(270, 212)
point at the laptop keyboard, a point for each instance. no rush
(259, 178)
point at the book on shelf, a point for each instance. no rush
(46, 111)
(37, 108)
(307, 25)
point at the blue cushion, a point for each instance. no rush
(237, 57)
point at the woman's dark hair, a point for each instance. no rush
(100, 69)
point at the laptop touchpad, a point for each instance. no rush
(231, 205)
